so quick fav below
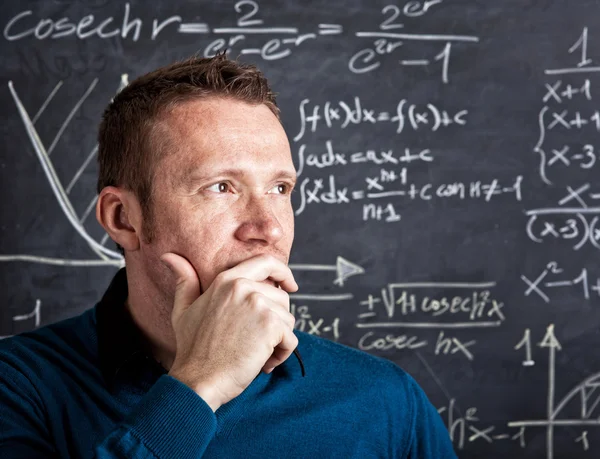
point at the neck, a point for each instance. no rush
(150, 310)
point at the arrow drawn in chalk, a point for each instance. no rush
(343, 268)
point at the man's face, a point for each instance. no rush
(221, 194)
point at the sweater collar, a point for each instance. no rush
(120, 341)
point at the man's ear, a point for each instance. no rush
(119, 212)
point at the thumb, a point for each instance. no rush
(187, 288)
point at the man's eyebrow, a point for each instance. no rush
(287, 175)
(197, 176)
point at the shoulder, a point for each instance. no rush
(380, 394)
(358, 369)
(36, 352)
(323, 350)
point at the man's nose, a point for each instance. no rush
(258, 223)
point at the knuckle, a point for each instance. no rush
(240, 285)
(220, 279)
(285, 297)
(256, 300)
(270, 320)
(291, 319)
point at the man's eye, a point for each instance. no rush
(221, 187)
(280, 188)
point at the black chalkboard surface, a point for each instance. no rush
(448, 206)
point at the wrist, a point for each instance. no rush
(208, 392)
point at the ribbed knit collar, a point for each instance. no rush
(120, 341)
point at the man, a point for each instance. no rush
(187, 354)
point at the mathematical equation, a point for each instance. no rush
(467, 428)
(250, 35)
(554, 277)
(406, 306)
(404, 116)
(572, 220)
(318, 326)
(577, 225)
(334, 158)
(410, 307)
(315, 191)
(556, 115)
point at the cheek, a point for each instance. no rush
(167, 222)
(200, 235)
(290, 223)
(286, 221)
(173, 228)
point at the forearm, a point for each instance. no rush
(170, 421)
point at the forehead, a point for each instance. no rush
(209, 132)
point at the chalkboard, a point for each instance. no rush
(447, 208)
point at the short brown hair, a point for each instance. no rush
(127, 148)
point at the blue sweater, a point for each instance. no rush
(86, 387)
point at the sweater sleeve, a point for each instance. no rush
(170, 421)
(23, 432)
(429, 436)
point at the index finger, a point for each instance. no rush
(263, 267)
